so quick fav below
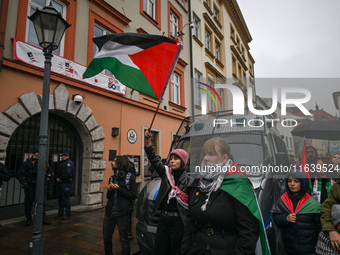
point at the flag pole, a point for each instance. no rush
(154, 115)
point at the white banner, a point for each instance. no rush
(33, 55)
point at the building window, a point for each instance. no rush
(234, 65)
(206, 2)
(232, 32)
(207, 39)
(217, 49)
(242, 50)
(173, 24)
(31, 36)
(149, 7)
(244, 79)
(211, 101)
(175, 88)
(216, 13)
(239, 72)
(99, 31)
(197, 88)
(220, 93)
(197, 27)
(238, 42)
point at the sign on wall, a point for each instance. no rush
(33, 55)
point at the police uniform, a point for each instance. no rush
(64, 173)
(27, 176)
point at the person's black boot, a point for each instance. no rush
(28, 222)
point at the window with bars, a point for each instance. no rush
(175, 88)
(31, 36)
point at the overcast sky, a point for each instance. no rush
(296, 39)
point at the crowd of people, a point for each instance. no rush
(214, 213)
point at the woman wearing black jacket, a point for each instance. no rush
(172, 199)
(122, 190)
(217, 222)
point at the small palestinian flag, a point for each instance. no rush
(239, 186)
(141, 62)
(306, 204)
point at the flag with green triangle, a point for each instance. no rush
(141, 62)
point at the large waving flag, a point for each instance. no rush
(140, 61)
(238, 186)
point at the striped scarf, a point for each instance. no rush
(181, 197)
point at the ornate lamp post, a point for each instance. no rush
(50, 27)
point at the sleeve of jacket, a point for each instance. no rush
(4, 173)
(326, 208)
(22, 172)
(132, 192)
(155, 161)
(67, 173)
(249, 229)
(109, 192)
(317, 222)
(280, 219)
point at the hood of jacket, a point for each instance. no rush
(295, 173)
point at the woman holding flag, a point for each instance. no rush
(298, 215)
(223, 213)
(172, 199)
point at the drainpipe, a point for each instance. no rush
(3, 21)
(191, 67)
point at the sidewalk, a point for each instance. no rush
(81, 234)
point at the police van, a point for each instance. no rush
(258, 149)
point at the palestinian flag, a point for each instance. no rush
(238, 186)
(141, 62)
(305, 205)
(304, 163)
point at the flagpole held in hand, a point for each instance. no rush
(154, 115)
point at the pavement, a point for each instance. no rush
(81, 234)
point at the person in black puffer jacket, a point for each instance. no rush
(122, 190)
(298, 214)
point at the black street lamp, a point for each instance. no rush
(50, 27)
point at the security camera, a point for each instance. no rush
(192, 25)
(78, 99)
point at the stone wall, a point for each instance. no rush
(92, 135)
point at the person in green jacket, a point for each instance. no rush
(326, 217)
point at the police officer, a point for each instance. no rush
(27, 176)
(4, 175)
(64, 179)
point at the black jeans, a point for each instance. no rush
(109, 228)
(170, 232)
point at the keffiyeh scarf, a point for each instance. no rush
(210, 181)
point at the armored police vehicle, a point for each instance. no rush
(258, 149)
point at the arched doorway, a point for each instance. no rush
(62, 137)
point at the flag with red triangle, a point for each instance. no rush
(304, 163)
(141, 62)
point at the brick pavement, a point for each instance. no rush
(81, 234)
